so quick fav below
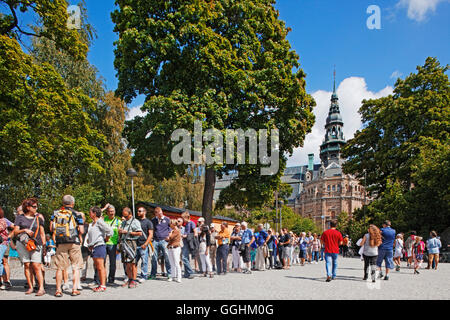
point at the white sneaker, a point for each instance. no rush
(176, 280)
(141, 280)
(170, 280)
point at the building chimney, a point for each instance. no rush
(311, 162)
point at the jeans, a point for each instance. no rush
(331, 264)
(272, 258)
(221, 260)
(387, 256)
(160, 246)
(315, 256)
(174, 258)
(141, 253)
(206, 263)
(185, 252)
(322, 251)
(3, 248)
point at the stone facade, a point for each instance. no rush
(328, 191)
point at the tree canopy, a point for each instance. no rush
(226, 63)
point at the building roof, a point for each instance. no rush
(180, 211)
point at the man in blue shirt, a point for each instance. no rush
(247, 240)
(385, 250)
(161, 229)
(261, 242)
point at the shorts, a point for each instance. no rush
(6, 255)
(385, 255)
(302, 254)
(246, 255)
(68, 254)
(27, 256)
(99, 252)
(419, 257)
(286, 252)
(133, 245)
(409, 253)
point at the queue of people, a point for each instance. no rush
(172, 244)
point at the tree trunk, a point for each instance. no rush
(208, 194)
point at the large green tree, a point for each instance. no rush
(225, 63)
(404, 149)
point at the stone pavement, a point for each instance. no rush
(299, 283)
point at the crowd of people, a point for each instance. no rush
(177, 245)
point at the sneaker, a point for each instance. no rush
(380, 275)
(151, 278)
(2, 286)
(397, 268)
(328, 279)
(8, 285)
(177, 280)
(169, 280)
(141, 280)
(386, 278)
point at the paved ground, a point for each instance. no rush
(306, 282)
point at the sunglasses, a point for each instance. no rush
(35, 206)
(141, 211)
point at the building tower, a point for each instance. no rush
(331, 148)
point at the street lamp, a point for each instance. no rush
(132, 173)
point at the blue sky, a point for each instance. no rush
(327, 33)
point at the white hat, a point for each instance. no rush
(201, 219)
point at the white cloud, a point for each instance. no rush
(418, 9)
(351, 92)
(396, 74)
(134, 112)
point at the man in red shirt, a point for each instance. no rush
(332, 239)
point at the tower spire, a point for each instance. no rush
(334, 79)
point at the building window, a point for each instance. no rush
(328, 188)
(334, 188)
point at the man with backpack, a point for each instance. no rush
(144, 242)
(67, 226)
(189, 246)
(129, 232)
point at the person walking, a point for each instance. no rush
(418, 250)
(345, 246)
(332, 239)
(236, 238)
(129, 232)
(385, 250)
(370, 243)
(111, 245)
(409, 244)
(98, 234)
(161, 227)
(204, 246)
(29, 230)
(286, 242)
(223, 239)
(303, 245)
(398, 251)
(315, 248)
(174, 251)
(309, 239)
(433, 246)
(143, 243)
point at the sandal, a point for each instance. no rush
(30, 291)
(58, 294)
(99, 289)
(75, 293)
(40, 293)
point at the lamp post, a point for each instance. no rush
(132, 173)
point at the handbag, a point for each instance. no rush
(125, 247)
(31, 244)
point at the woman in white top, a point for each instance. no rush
(370, 242)
(398, 251)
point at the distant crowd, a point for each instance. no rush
(181, 248)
